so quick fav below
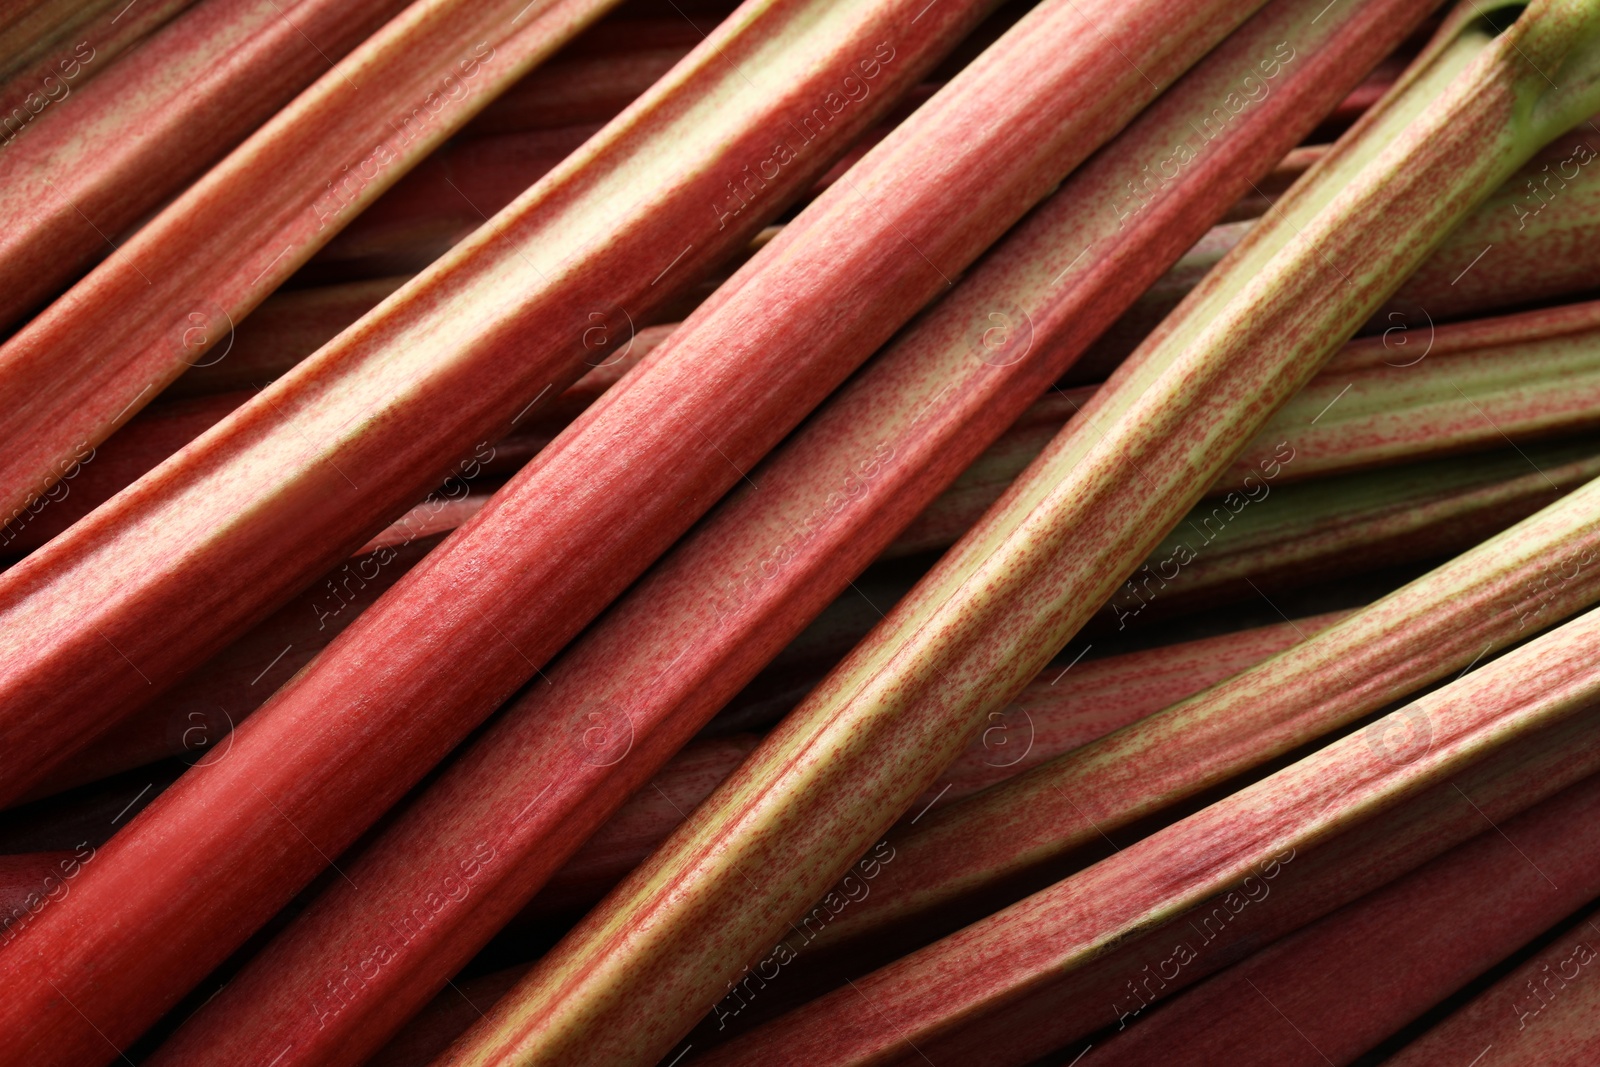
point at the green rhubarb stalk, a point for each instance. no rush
(820, 790)
(969, 991)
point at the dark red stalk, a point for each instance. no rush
(1332, 990)
(1542, 1014)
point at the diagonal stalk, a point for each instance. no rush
(211, 541)
(970, 989)
(1358, 975)
(818, 792)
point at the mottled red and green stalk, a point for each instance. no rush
(1506, 589)
(73, 181)
(808, 803)
(1334, 989)
(45, 64)
(968, 990)
(745, 367)
(445, 361)
(173, 569)
(172, 294)
(1543, 1014)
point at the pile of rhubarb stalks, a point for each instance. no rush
(860, 532)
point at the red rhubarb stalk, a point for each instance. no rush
(421, 376)
(297, 479)
(1332, 990)
(968, 991)
(747, 368)
(77, 181)
(634, 975)
(1542, 1014)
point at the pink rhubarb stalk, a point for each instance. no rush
(297, 479)
(968, 991)
(637, 972)
(421, 376)
(72, 181)
(1334, 989)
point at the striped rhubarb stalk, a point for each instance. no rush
(816, 62)
(637, 972)
(174, 290)
(1048, 952)
(1334, 989)
(1532, 575)
(530, 828)
(53, 62)
(77, 181)
(301, 476)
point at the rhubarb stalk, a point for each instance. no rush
(296, 788)
(748, 579)
(297, 479)
(811, 801)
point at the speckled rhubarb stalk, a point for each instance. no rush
(172, 294)
(72, 181)
(211, 541)
(824, 786)
(970, 985)
(1543, 1014)
(747, 372)
(1536, 255)
(777, 554)
(1334, 989)
(72, 53)
(1506, 589)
